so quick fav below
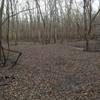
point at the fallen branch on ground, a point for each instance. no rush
(13, 51)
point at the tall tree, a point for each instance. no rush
(1, 14)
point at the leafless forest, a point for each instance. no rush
(49, 50)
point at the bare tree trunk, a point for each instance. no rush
(85, 26)
(8, 22)
(87, 6)
(1, 13)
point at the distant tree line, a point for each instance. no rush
(47, 21)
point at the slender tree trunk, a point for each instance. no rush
(1, 12)
(85, 26)
(8, 22)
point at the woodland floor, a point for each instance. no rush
(52, 72)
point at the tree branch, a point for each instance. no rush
(22, 11)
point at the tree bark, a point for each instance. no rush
(1, 13)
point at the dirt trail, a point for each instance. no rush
(53, 72)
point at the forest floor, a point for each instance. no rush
(52, 72)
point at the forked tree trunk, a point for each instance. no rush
(87, 31)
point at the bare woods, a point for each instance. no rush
(47, 21)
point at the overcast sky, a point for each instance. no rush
(95, 4)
